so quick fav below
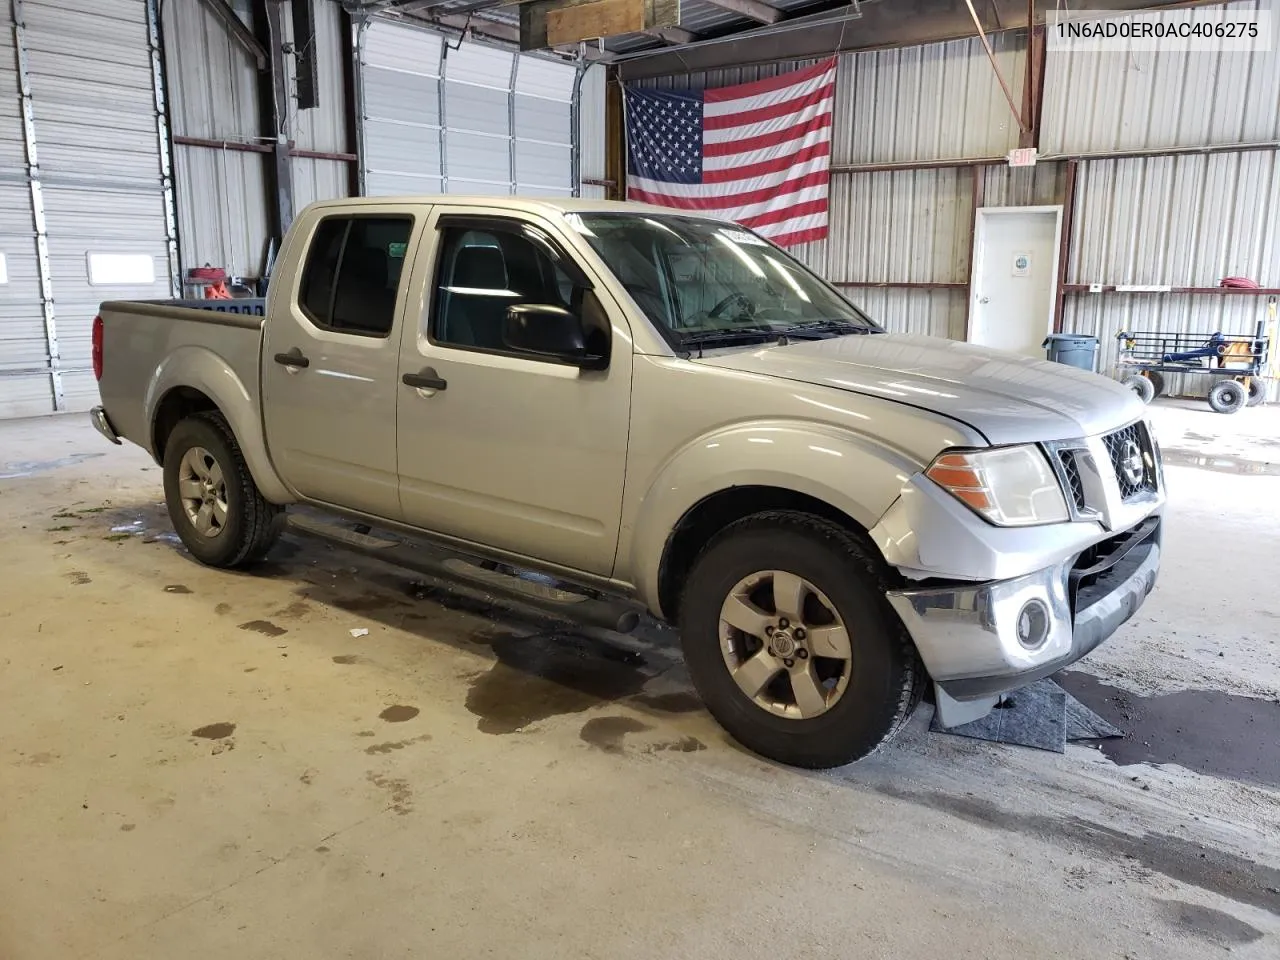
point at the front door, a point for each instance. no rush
(331, 358)
(498, 447)
(1015, 270)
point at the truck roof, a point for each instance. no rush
(544, 205)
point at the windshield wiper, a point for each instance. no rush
(730, 338)
(824, 329)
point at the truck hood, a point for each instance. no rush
(1006, 397)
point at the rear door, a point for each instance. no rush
(508, 449)
(331, 355)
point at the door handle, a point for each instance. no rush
(425, 379)
(293, 359)
(984, 299)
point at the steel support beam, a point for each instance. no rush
(236, 27)
(283, 179)
(43, 268)
(672, 35)
(986, 44)
(751, 9)
(478, 25)
(162, 136)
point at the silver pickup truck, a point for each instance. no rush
(617, 409)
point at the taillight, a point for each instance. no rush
(97, 348)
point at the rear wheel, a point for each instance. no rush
(1157, 383)
(1140, 385)
(214, 505)
(1228, 396)
(791, 644)
(1257, 392)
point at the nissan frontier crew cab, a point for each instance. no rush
(656, 411)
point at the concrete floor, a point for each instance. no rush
(200, 764)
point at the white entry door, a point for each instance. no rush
(1015, 269)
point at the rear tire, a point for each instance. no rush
(1228, 396)
(1143, 387)
(215, 506)
(1257, 392)
(832, 714)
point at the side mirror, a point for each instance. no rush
(545, 330)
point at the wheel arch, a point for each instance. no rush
(717, 478)
(194, 379)
(713, 513)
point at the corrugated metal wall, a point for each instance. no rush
(940, 101)
(213, 94)
(1181, 221)
(223, 199)
(323, 128)
(1096, 102)
(1184, 221)
(934, 102)
(462, 117)
(1175, 220)
(592, 136)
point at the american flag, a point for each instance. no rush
(758, 153)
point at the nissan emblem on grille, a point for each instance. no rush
(1129, 450)
(1131, 463)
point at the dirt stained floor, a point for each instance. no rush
(204, 764)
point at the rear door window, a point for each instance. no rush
(352, 274)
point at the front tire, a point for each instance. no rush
(791, 644)
(1257, 392)
(216, 508)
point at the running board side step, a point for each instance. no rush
(542, 594)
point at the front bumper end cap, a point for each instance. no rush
(101, 423)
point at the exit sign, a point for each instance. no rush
(1022, 157)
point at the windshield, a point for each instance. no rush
(704, 282)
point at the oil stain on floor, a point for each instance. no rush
(1178, 858)
(264, 627)
(214, 731)
(1207, 731)
(548, 674)
(1215, 926)
(608, 733)
(398, 713)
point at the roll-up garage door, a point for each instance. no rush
(85, 208)
(442, 117)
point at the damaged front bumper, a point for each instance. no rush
(979, 640)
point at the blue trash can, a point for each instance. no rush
(1073, 349)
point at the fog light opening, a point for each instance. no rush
(1033, 624)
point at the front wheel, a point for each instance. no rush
(1257, 392)
(791, 644)
(214, 505)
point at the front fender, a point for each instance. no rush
(202, 369)
(851, 473)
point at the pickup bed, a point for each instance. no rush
(657, 412)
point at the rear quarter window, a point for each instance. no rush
(352, 274)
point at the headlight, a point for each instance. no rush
(1010, 486)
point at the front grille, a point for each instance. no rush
(1071, 473)
(1133, 461)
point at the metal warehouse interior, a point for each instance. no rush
(327, 754)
